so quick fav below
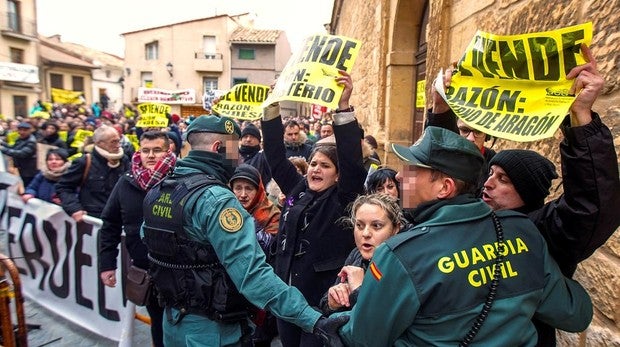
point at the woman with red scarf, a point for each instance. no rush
(123, 211)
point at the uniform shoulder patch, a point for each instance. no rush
(231, 220)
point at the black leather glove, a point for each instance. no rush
(327, 330)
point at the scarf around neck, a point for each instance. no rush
(147, 178)
(55, 175)
(114, 159)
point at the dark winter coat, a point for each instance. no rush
(24, 154)
(312, 246)
(93, 194)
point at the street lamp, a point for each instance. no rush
(169, 68)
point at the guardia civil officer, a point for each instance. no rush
(462, 274)
(205, 260)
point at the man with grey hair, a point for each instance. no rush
(87, 184)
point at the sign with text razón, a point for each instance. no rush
(515, 87)
(310, 74)
(243, 101)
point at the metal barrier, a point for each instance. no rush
(6, 294)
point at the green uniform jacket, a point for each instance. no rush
(426, 286)
(214, 221)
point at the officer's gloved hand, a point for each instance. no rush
(327, 330)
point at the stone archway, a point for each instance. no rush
(403, 72)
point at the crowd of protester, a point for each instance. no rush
(297, 181)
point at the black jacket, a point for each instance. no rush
(93, 194)
(24, 154)
(123, 211)
(54, 140)
(311, 245)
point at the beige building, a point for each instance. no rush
(410, 40)
(19, 58)
(204, 54)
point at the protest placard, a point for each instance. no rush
(243, 101)
(153, 115)
(310, 74)
(515, 87)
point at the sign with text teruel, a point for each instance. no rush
(57, 260)
(310, 74)
(515, 87)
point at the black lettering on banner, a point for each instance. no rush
(250, 93)
(331, 51)
(488, 119)
(30, 223)
(571, 48)
(300, 75)
(545, 58)
(525, 125)
(477, 57)
(305, 90)
(81, 259)
(514, 59)
(62, 290)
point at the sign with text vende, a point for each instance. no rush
(57, 262)
(243, 101)
(310, 74)
(515, 87)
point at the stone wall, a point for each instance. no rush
(384, 89)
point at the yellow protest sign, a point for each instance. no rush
(62, 96)
(133, 138)
(515, 87)
(40, 114)
(153, 115)
(80, 137)
(310, 74)
(62, 134)
(11, 137)
(243, 101)
(420, 95)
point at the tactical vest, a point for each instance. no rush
(188, 275)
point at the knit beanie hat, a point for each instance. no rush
(530, 173)
(247, 172)
(251, 129)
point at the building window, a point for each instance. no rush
(239, 81)
(151, 51)
(209, 83)
(20, 109)
(147, 79)
(56, 81)
(78, 83)
(246, 53)
(14, 15)
(208, 46)
(17, 55)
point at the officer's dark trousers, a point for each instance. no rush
(293, 336)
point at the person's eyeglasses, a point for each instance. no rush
(148, 151)
(465, 131)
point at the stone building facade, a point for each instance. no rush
(406, 42)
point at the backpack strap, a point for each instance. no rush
(86, 169)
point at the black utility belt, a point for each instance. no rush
(227, 317)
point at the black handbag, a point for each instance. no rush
(138, 285)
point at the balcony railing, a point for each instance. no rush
(208, 62)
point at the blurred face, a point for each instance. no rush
(326, 130)
(245, 191)
(416, 186)
(54, 162)
(388, 187)
(151, 151)
(471, 134)
(291, 134)
(372, 227)
(110, 142)
(50, 130)
(499, 192)
(249, 140)
(322, 173)
(24, 132)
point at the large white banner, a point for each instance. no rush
(57, 262)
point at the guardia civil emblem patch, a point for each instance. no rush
(229, 126)
(231, 220)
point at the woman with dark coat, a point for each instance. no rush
(311, 247)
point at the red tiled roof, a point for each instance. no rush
(249, 35)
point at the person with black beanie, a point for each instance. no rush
(581, 220)
(250, 151)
